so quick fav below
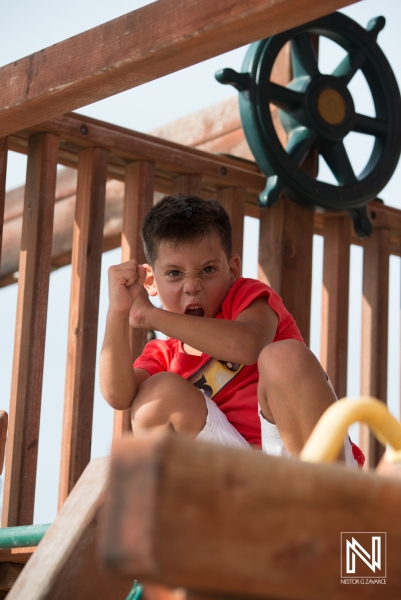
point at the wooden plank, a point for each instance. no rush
(374, 352)
(233, 200)
(218, 519)
(66, 564)
(3, 436)
(189, 183)
(8, 575)
(3, 172)
(138, 47)
(132, 145)
(33, 287)
(16, 555)
(64, 214)
(84, 307)
(286, 236)
(139, 192)
(334, 336)
(285, 257)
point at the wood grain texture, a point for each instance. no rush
(66, 564)
(233, 200)
(218, 519)
(138, 200)
(3, 172)
(33, 288)
(18, 556)
(334, 334)
(125, 146)
(189, 183)
(8, 575)
(376, 251)
(83, 319)
(64, 215)
(3, 436)
(285, 257)
(141, 46)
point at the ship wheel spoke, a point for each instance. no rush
(349, 65)
(303, 56)
(300, 143)
(338, 161)
(370, 125)
(284, 98)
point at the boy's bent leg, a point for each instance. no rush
(168, 401)
(293, 391)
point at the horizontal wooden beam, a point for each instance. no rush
(218, 519)
(124, 146)
(153, 41)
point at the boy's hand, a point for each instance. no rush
(141, 309)
(126, 285)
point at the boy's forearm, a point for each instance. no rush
(117, 379)
(224, 340)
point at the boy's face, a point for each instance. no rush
(193, 278)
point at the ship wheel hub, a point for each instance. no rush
(331, 106)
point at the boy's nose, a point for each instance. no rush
(192, 286)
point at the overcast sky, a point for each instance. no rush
(28, 26)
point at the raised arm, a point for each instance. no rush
(118, 382)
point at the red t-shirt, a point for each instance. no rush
(233, 387)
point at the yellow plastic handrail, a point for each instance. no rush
(326, 440)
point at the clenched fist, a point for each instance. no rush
(125, 285)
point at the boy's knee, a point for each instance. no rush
(163, 396)
(286, 361)
(152, 394)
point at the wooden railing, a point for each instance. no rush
(148, 167)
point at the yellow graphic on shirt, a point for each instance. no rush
(214, 375)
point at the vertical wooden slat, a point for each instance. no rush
(233, 200)
(83, 319)
(138, 200)
(30, 330)
(334, 336)
(3, 172)
(190, 183)
(285, 257)
(374, 331)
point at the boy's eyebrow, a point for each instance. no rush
(178, 267)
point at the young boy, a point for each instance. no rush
(234, 369)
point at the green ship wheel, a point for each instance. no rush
(317, 111)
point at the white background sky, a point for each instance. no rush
(28, 26)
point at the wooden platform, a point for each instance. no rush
(221, 520)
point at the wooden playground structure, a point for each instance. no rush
(163, 503)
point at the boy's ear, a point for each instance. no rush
(235, 267)
(149, 284)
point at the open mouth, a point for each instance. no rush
(195, 311)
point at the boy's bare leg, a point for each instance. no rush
(167, 401)
(293, 391)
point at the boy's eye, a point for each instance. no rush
(209, 269)
(174, 273)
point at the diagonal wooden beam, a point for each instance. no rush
(153, 41)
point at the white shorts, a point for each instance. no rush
(219, 430)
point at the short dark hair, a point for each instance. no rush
(181, 219)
